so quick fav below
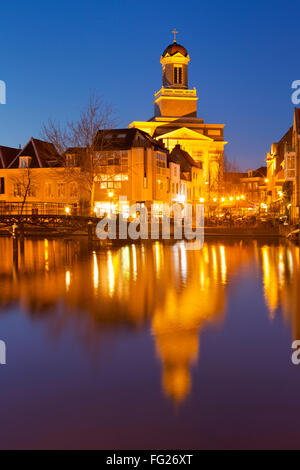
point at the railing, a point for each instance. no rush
(38, 208)
(175, 91)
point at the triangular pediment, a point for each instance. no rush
(185, 133)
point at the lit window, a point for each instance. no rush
(71, 160)
(60, 190)
(2, 186)
(17, 190)
(73, 190)
(178, 75)
(24, 162)
(32, 191)
(49, 192)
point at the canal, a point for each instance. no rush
(150, 346)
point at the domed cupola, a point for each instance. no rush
(174, 62)
(175, 48)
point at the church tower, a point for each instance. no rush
(174, 99)
(175, 120)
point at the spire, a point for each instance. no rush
(174, 32)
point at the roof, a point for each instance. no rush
(297, 118)
(287, 138)
(7, 155)
(43, 154)
(174, 48)
(234, 176)
(261, 172)
(182, 158)
(125, 139)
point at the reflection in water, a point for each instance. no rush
(178, 292)
(281, 278)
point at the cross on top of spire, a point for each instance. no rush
(174, 32)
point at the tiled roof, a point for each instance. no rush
(297, 117)
(124, 139)
(183, 158)
(43, 154)
(287, 138)
(7, 155)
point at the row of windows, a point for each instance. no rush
(62, 189)
(103, 158)
(113, 158)
(111, 185)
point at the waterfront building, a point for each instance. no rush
(191, 172)
(283, 172)
(33, 180)
(132, 165)
(254, 186)
(232, 183)
(175, 120)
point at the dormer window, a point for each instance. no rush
(24, 162)
(178, 75)
(71, 160)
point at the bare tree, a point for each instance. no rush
(76, 143)
(26, 185)
(230, 166)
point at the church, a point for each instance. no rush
(175, 120)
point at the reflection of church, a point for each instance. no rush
(175, 118)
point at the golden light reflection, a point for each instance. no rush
(111, 273)
(281, 280)
(68, 280)
(134, 262)
(125, 257)
(95, 271)
(178, 292)
(223, 264)
(46, 255)
(270, 278)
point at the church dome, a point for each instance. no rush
(174, 48)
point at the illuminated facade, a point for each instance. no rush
(283, 172)
(34, 176)
(175, 120)
(132, 166)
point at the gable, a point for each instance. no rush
(43, 154)
(7, 155)
(185, 133)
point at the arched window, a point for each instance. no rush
(178, 74)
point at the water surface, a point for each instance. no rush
(150, 346)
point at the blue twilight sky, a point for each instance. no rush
(244, 57)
